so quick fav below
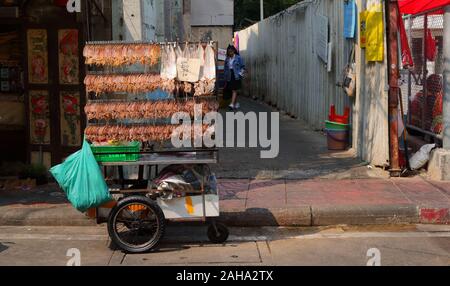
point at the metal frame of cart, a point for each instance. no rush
(199, 207)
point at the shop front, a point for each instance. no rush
(42, 94)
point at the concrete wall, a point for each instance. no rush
(212, 12)
(136, 20)
(285, 70)
(370, 127)
(163, 20)
(222, 34)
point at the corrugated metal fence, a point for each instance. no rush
(284, 68)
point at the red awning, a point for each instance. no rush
(420, 6)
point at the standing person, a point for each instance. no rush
(234, 71)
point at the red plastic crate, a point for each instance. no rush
(344, 119)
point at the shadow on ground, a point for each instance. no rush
(47, 194)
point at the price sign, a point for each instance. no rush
(188, 69)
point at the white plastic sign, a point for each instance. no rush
(222, 55)
(188, 69)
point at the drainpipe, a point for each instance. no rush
(393, 67)
(261, 9)
(446, 51)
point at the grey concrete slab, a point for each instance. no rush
(52, 252)
(45, 215)
(358, 215)
(343, 245)
(353, 251)
(198, 254)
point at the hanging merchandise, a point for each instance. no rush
(145, 109)
(375, 36)
(179, 52)
(171, 63)
(349, 78)
(363, 29)
(201, 56)
(349, 19)
(81, 179)
(132, 83)
(208, 83)
(210, 63)
(142, 132)
(122, 54)
(431, 47)
(407, 60)
(112, 118)
(165, 50)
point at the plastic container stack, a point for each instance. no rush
(338, 130)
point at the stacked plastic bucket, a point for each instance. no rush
(338, 130)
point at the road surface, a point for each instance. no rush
(187, 246)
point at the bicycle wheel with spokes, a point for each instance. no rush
(136, 224)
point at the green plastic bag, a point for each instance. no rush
(81, 179)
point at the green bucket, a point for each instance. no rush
(329, 125)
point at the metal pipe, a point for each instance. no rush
(261, 4)
(410, 27)
(446, 52)
(425, 73)
(148, 42)
(393, 64)
(429, 133)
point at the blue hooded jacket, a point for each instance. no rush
(238, 67)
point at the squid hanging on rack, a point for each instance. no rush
(121, 54)
(143, 133)
(132, 83)
(145, 109)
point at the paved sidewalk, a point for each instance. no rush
(331, 202)
(272, 203)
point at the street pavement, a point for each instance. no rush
(247, 202)
(187, 246)
(303, 154)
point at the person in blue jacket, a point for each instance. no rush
(234, 72)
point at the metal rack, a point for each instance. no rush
(137, 198)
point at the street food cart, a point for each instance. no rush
(129, 128)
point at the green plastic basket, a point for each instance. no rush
(102, 153)
(329, 125)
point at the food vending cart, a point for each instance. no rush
(129, 127)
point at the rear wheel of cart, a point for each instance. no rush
(136, 224)
(218, 232)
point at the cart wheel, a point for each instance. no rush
(218, 234)
(136, 224)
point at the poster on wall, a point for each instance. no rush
(321, 24)
(39, 117)
(70, 118)
(37, 56)
(68, 56)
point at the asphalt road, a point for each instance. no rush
(187, 246)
